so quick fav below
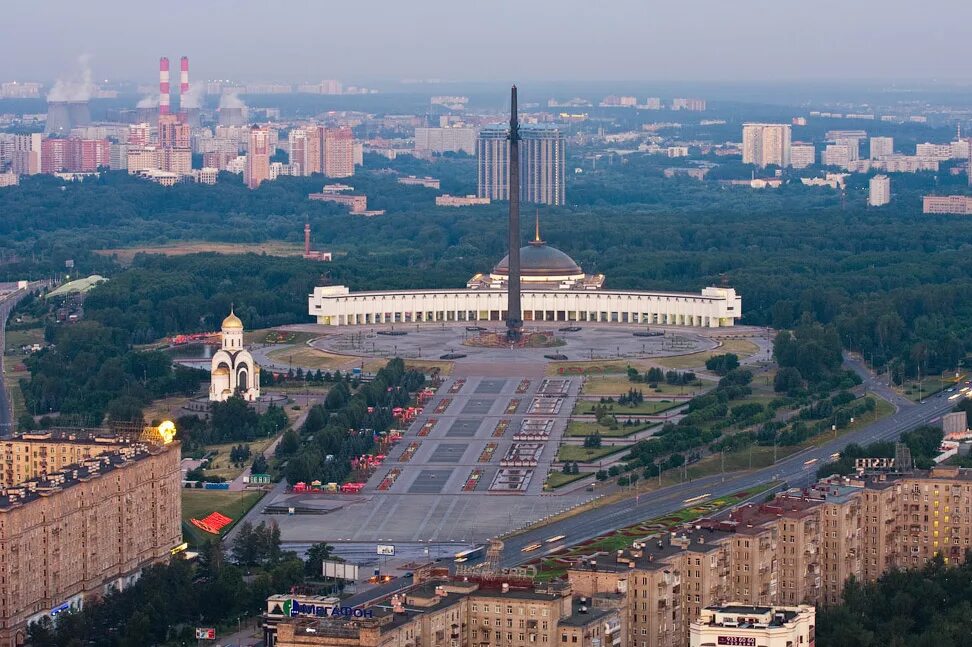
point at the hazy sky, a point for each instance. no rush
(357, 40)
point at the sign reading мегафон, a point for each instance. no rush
(294, 608)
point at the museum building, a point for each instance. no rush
(554, 288)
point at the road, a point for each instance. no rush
(797, 469)
(7, 304)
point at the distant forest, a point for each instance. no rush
(895, 284)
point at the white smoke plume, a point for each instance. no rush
(192, 99)
(148, 101)
(78, 88)
(231, 100)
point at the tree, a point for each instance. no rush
(316, 556)
(592, 441)
(722, 364)
(260, 465)
(787, 379)
(288, 445)
(246, 548)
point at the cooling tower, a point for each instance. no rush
(58, 118)
(80, 113)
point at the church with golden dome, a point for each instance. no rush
(233, 369)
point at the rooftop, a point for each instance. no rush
(33, 489)
(78, 436)
(652, 554)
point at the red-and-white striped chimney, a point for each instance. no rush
(184, 77)
(163, 86)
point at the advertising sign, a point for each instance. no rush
(203, 633)
(386, 549)
(340, 570)
(737, 641)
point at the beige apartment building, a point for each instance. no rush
(85, 530)
(34, 454)
(748, 575)
(443, 613)
(798, 549)
(736, 624)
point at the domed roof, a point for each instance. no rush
(539, 259)
(232, 322)
(221, 370)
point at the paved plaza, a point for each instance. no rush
(591, 342)
(473, 464)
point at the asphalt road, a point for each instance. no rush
(797, 469)
(7, 303)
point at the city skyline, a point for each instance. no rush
(627, 43)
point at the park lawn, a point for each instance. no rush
(270, 335)
(164, 409)
(646, 408)
(11, 378)
(930, 385)
(763, 456)
(582, 454)
(588, 367)
(312, 358)
(581, 429)
(125, 255)
(17, 338)
(740, 347)
(616, 385)
(556, 479)
(197, 503)
(220, 464)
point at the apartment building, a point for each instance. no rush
(35, 454)
(950, 204)
(738, 624)
(85, 531)
(443, 613)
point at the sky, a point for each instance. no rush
(491, 40)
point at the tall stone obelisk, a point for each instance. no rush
(514, 313)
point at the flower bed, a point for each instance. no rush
(473, 480)
(410, 451)
(443, 405)
(427, 427)
(389, 479)
(487, 453)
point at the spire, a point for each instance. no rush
(537, 241)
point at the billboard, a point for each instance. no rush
(341, 570)
(205, 633)
(384, 549)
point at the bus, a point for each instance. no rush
(472, 553)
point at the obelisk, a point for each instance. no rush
(514, 313)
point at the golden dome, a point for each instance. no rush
(222, 370)
(232, 322)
